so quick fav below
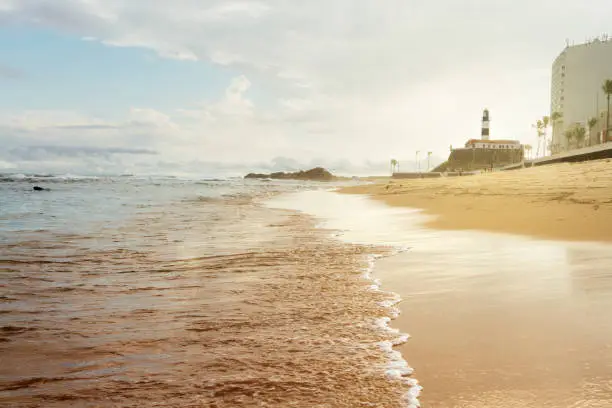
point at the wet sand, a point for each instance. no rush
(496, 320)
(525, 324)
(562, 201)
(501, 321)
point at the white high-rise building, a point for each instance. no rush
(578, 74)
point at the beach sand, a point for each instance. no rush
(563, 201)
(503, 320)
(491, 333)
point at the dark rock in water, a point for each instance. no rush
(316, 174)
(37, 188)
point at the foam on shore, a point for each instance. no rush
(397, 368)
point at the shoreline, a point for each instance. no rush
(397, 368)
(571, 202)
(495, 321)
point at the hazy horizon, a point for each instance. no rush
(212, 169)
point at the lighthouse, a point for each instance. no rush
(484, 133)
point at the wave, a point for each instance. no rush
(215, 179)
(256, 288)
(46, 178)
(68, 177)
(397, 368)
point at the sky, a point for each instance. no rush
(221, 86)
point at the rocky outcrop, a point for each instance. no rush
(316, 174)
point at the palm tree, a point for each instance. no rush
(555, 117)
(607, 88)
(393, 166)
(428, 159)
(545, 123)
(538, 126)
(569, 135)
(528, 149)
(579, 134)
(591, 123)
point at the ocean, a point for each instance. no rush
(159, 291)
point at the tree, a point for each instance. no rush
(591, 123)
(428, 159)
(545, 123)
(607, 88)
(539, 125)
(569, 135)
(576, 134)
(579, 134)
(394, 164)
(528, 150)
(555, 117)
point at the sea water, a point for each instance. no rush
(158, 291)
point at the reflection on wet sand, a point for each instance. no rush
(590, 270)
(504, 339)
(506, 323)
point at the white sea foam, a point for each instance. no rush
(397, 369)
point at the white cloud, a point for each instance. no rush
(216, 130)
(151, 117)
(360, 79)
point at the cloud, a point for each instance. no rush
(350, 47)
(363, 80)
(85, 160)
(83, 127)
(44, 152)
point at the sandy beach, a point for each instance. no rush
(511, 324)
(499, 320)
(496, 320)
(563, 201)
